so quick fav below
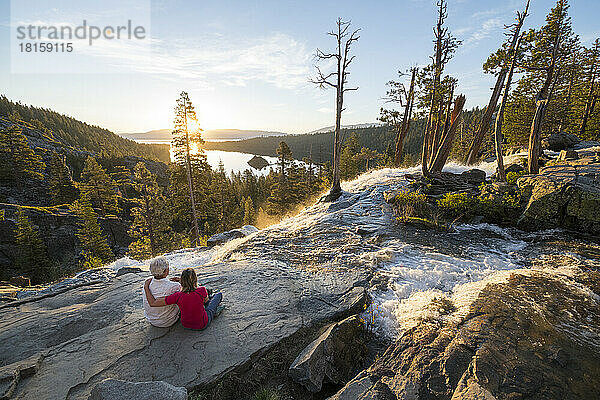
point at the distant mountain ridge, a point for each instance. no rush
(354, 126)
(210, 134)
(215, 135)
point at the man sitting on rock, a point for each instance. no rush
(160, 286)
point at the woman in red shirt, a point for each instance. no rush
(197, 311)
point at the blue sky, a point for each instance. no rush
(246, 64)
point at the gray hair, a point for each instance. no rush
(158, 266)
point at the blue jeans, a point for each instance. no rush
(211, 308)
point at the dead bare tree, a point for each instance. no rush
(447, 135)
(473, 153)
(338, 80)
(399, 94)
(444, 46)
(591, 97)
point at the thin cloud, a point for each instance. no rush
(487, 27)
(279, 59)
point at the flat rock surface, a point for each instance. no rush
(65, 344)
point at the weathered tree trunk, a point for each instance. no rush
(590, 102)
(428, 136)
(405, 120)
(473, 153)
(446, 144)
(535, 139)
(498, 137)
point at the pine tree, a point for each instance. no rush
(547, 63)
(93, 241)
(122, 179)
(150, 228)
(349, 162)
(284, 153)
(249, 214)
(32, 258)
(18, 162)
(99, 187)
(61, 186)
(186, 144)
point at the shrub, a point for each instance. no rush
(266, 394)
(410, 204)
(512, 177)
(456, 204)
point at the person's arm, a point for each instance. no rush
(175, 279)
(204, 293)
(153, 302)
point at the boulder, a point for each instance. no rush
(89, 333)
(533, 335)
(333, 356)
(565, 195)
(116, 389)
(224, 237)
(474, 176)
(560, 141)
(565, 155)
(128, 270)
(516, 168)
(20, 281)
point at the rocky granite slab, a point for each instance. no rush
(63, 345)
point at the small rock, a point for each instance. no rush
(128, 270)
(560, 141)
(333, 355)
(224, 237)
(365, 230)
(514, 168)
(475, 176)
(115, 389)
(568, 155)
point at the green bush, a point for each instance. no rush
(512, 177)
(266, 394)
(410, 204)
(456, 204)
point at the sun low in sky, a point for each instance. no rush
(246, 65)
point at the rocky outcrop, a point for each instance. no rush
(534, 336)
(565, 155)
(115, 389)
(560, 141)
(565, 194)
(224, 237)
(333, 356)
(89, 333)
(57, 227)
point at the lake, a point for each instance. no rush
(232, 161)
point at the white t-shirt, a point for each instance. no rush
(161, 316)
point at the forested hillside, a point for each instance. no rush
(79, 135)
(377, 138)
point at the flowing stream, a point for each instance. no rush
(412, 266)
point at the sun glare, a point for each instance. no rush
(193, 125)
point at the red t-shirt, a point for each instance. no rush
(191, 305)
